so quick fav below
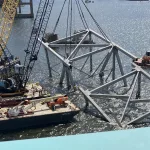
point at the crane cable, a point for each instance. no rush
(79, 10)
(59, 16)
(70, 25)
(87, 27)
(68, 16)
(100, 29)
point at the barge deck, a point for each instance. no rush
(42, 115)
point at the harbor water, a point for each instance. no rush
(127, 23)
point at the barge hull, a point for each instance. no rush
(36, 121)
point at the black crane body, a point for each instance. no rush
(19, 80)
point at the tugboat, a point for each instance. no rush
(144, 61)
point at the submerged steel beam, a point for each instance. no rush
(128, 101)
(109, 96)
(86, 94)
(91, 58)
(48, 63)
(114, 81)
(145, 100)
(139, 118)
(62, 75)
(113, 64)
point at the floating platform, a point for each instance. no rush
(41, 116)
(34, 108)
(32, 91)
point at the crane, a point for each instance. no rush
(38, 31)
(7, 16)
(18, 81)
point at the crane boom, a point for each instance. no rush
(7, 16)
(38, 31)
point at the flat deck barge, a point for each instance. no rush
(42, 115)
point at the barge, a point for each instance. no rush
(36, 114)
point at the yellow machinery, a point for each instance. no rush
(7, 16)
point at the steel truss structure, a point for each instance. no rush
(112, 51)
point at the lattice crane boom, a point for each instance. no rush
(7, 16)
(38, 31)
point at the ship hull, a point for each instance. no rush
(12, 124)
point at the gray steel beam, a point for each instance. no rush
(70, 77)
(106, 60)
(99, 36)
(67, 78)
(86, 94)
(77, 47)
(128, 101)
(91, 60)
(81, 45)
(90, 53)
(124, 51)
(109, 96)
(138, 94)
(62, 75)
(113, 65)
(140, 100)
(48, 63)
(64, 61)
(139, 118)
(84, 63)
(66, 38)
(114, 81)
(142, 71)
(120, 67)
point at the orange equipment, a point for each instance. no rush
(60, 101)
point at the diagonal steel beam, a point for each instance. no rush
(90, 53)
(99, 36)
(128, 101)
(109, 96)
(77, 47)
(64, 61)
(114, 81)
(86, 95)
(139, 118)
(120, 67)
(145, 100)
(124, 51)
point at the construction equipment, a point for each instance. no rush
(51, 101)
(7, 61)
(21, 77)
(38, 31)
(7, 16)
(60, 101)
